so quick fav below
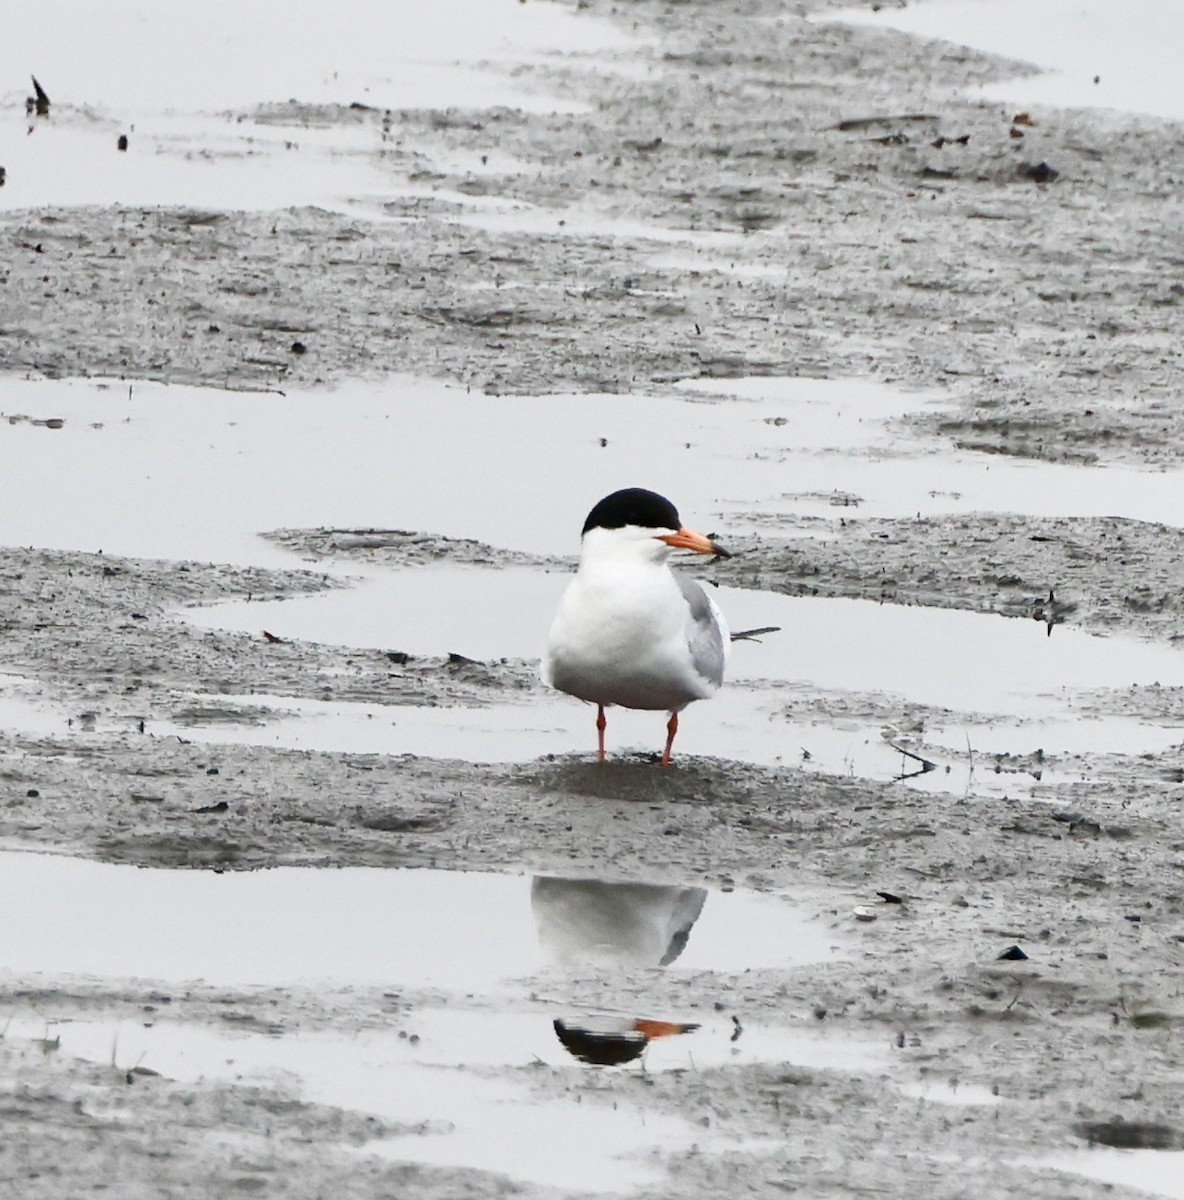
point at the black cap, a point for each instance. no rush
(633, 506)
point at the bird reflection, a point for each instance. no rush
(588, 922)
(593, 923)
(611, 1041)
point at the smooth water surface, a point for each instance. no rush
(356, 926)
(182, 472)
(1121, 54)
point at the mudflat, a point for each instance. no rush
(750, 192)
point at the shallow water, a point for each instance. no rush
(134, 57)
(352, 926)
(159, 75)
(1156, 1172)
(1130, 47)
(431, 1068)
(745, 724)
(201, 471)
(486, 938)
(1017, 681)
(950, 1091)
(198, 162)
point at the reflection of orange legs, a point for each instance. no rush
(671, 730)
(600, 724)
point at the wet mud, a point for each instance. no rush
(1100, 573)
(846, 212)
(766, 195)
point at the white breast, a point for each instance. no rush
(621, 636)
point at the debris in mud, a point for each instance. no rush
(855, 124)
(926, 766)
(39, 102)
(1131, 1135)
(1052, 611)
(122, 142)
(754, 635)
(1041, 172)
(1013, 954)
(41, 422)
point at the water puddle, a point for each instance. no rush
(950, 1091)
(25, 705)
(398, 55)
(199, 162)
(1017, 684)
(456, 1071)
(456, 1117)
(357, 926)
(362, 51)
(1099, 53)
(202, 471)
(473, 1115)
(1156, 1172)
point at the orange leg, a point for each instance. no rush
(600, 724)
(671, 730)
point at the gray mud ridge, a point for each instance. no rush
(1103, 573)
(77, 1126)
(881, 225)
(107, 632)
(403, 548)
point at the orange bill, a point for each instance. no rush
(659, 1029)
(688, 539)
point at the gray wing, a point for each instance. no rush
(707, 638)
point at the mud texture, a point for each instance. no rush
(877, 223)
(883, 226)
(1100, 573)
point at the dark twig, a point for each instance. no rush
(754, 635)
(929, 766)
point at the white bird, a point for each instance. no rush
(629, 631)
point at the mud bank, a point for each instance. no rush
(1104, 574)
(754, 194)
(1078, 1032)
(748, 193)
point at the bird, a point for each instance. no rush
(629, 631)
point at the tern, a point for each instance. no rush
(629, 631)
